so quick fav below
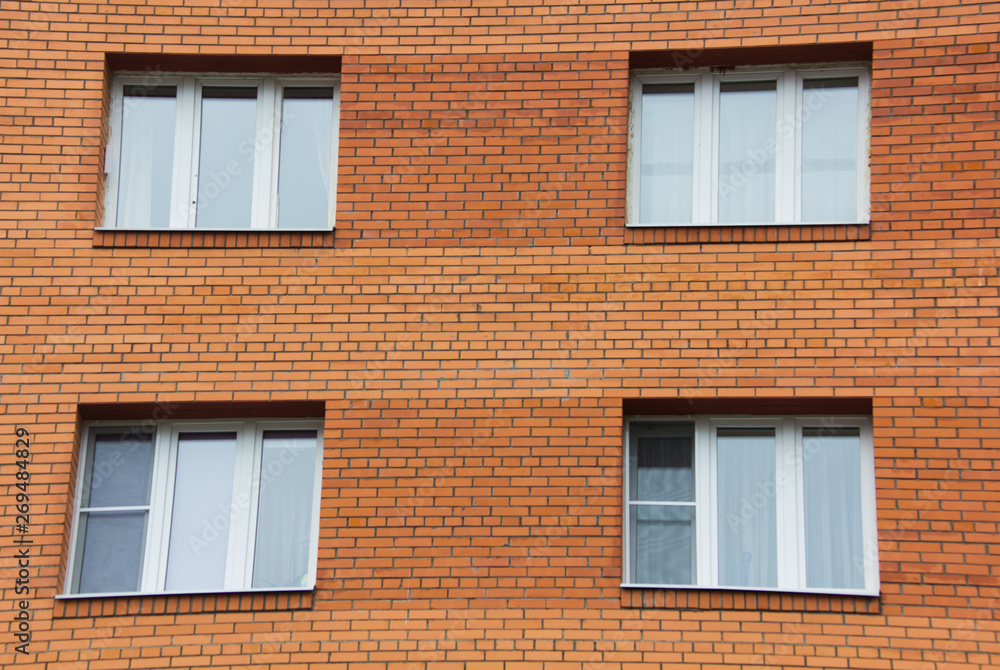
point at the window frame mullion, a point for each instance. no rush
(710, 198)
(267, 135)
(789, 497)
(705, 174)
(706, 513)
(183, 197)
(787, 163)
(238, 563)
(161, 504)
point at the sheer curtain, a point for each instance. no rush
(747, 507)
(226, 156)
(145, 169)
(202, 511)
(666, 163)
(830, 150)
(832, 484)
(747, 135)
(285, 509)
(304, 161)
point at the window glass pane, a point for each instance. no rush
(118, 470)
(661, 465)
(285, 509)
(747, 145)
(663, 544)
(111, 546)
(832, 485)
(666, 162)
(203, 511)
(304, 157)
(747, 490)
(830, 150)
(225, 164)
(146, 162)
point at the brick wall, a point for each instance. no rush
(480, 318)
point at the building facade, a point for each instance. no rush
(511, 334)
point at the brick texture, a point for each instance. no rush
(479, 318)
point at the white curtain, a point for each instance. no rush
(202, 514)
(666, 162)
(747, 507)
(747, 135)
(145, 169)
(832, 484)
(228, 142)
(285, 509)
(830, 150)
(304, 161)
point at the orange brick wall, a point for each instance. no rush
(480, 316)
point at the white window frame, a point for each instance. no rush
(790, 458)
(788, 182)
(187, 128)
(241, 527)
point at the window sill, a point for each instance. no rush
(67, 607)
(842, 232)
(711, 599)
(212, 239)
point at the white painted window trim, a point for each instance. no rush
(706, 133)
(242, 528)
(264, 208)
(789, 499)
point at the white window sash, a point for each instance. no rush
(869, 530)
(788, 183)
(241, 527)
(713, 84)
(187, 129)
(783, 541)
(281, 84)
(789, 499)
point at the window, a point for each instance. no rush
(749, 147)
(222, 153)
(197, 507)
(765, 504)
